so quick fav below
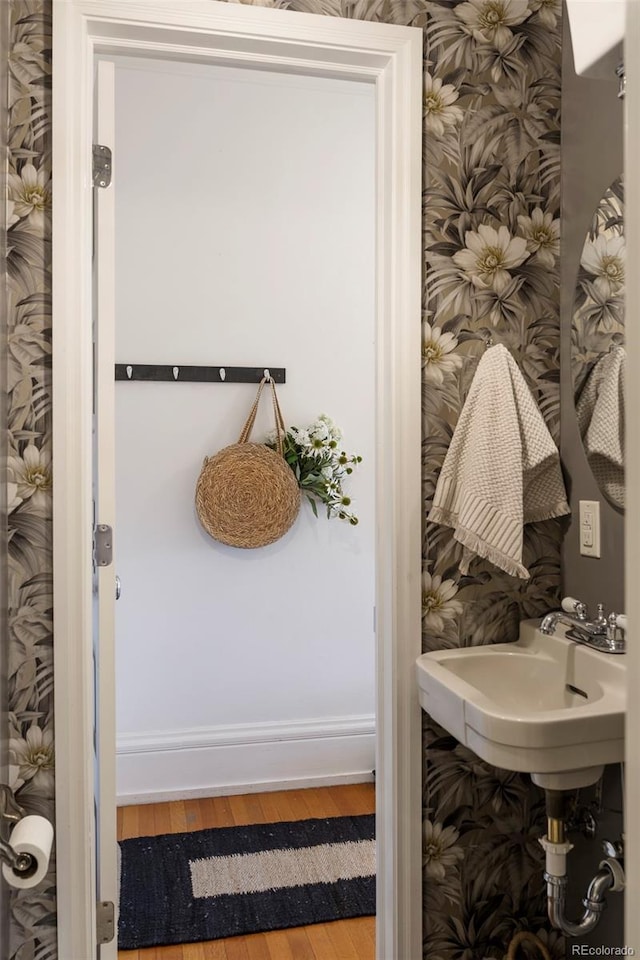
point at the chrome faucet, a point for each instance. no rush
(607, 634)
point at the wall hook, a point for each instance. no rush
(267, 375)
(223, 374)
(176, 371)
(129, 371)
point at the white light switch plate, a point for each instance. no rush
(590, 528)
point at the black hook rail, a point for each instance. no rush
(177, 373)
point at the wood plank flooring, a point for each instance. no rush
(342, 940)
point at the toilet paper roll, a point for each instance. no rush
(33, 835)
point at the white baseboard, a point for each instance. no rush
(158, 766)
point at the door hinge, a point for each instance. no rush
(101, 165)
(103, 545)
(105, 921)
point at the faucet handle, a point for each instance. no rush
(616, 632)
(601, 618)
(569, 605)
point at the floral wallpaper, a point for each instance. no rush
(492, 230)
(30, 671)
(491, 244)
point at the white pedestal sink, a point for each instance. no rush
(544, 705)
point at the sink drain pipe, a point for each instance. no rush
(610, 875)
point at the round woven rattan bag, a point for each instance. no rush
(247, 494)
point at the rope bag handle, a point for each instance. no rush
(277, 413)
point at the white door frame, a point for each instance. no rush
(390, 57)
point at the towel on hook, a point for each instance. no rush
(601, 411)
(502, 469)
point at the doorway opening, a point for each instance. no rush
(391, 58)
(243, 235)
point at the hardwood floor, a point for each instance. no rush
(342, 940)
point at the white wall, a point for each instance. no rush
(245, 236)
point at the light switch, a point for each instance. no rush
(590, 528)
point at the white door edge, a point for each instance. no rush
(390, 56)
(104, 494)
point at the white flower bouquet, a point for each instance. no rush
(319, 464)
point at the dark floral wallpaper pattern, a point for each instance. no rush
(491, 244)
(30, 671)
(491, 248)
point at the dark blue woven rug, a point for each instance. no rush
(208, 884)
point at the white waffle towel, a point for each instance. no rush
(600, 411)
(502, 469)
